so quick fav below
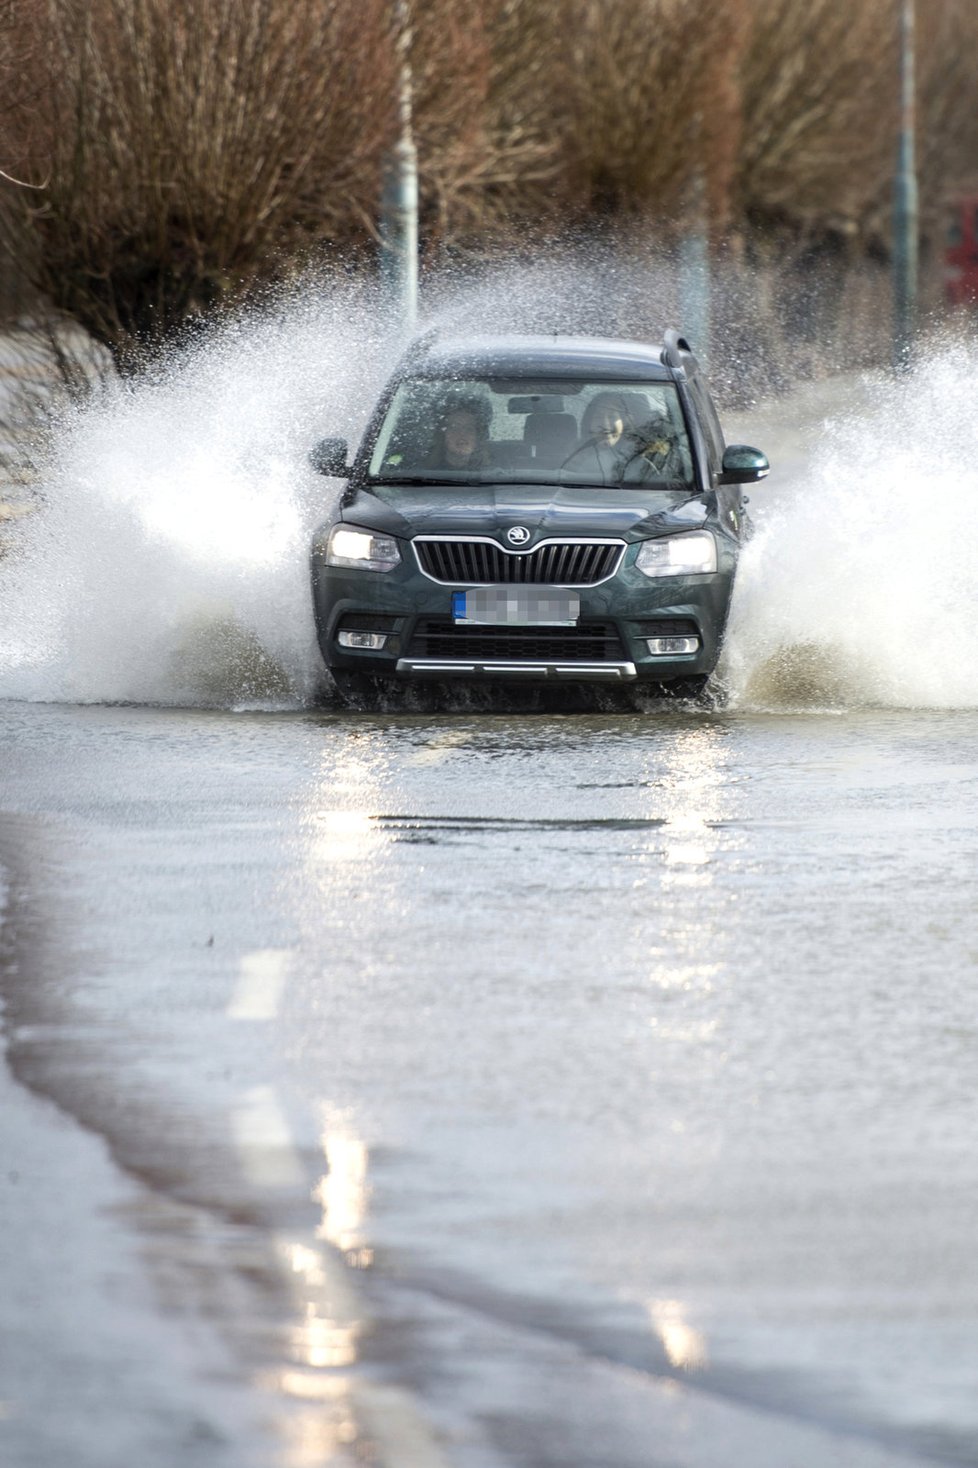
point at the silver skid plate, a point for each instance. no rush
(498, 668)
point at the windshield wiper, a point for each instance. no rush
(476, 481)
(408, 479)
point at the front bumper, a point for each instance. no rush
(608, 645)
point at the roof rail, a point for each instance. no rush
(677, 351)
(419, 347)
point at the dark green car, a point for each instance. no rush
(533, 510)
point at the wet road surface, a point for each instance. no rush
(488, 1090)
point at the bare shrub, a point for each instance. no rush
(819, 109)
(815, 175)
(184, 150)
(450, 63)
(947, 49)
(483, 73)
(46, 362)
(637, 120)
(188, 147)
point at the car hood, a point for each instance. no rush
(632, 514)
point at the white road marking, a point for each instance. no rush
(268, 1153)
(261, 981)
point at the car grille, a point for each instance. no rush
(554, 563)
(589, 642)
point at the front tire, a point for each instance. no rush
(693, 687)
(359, 690)
(698, 689)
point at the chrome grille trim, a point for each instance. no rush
(478, 560)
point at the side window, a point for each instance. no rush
(709, 421)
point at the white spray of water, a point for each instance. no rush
(861, 586)
(169, 561)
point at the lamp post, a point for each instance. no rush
(399, 195)
(694, 256)
(694, 274)
(905, 211)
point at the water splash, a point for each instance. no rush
(860, 587)
(169, 561)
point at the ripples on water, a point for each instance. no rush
(168, 564)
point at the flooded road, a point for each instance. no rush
(489, 1090)
(463, 1091)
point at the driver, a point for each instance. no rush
(608, 439)
(615, 449)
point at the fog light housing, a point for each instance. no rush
(665, 647)
(371, 641)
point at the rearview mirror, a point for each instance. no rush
(329, 457)
(743, 465)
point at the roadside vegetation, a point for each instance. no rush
(162, 158)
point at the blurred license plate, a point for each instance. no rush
(516, 606)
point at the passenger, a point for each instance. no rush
(461, 440)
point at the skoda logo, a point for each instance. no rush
(518, 535)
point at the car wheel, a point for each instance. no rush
(648, 698)
(359, 690)
(686, 687)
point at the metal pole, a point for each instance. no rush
(905, 209)
(694, 266)
(399, 196)
(694, 261)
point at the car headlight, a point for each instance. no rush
(364, 550)
(694, 554)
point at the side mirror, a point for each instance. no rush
(329, 457)
(743, 465)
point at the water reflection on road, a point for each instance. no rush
(641, 966)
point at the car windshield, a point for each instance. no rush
(561, 432)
